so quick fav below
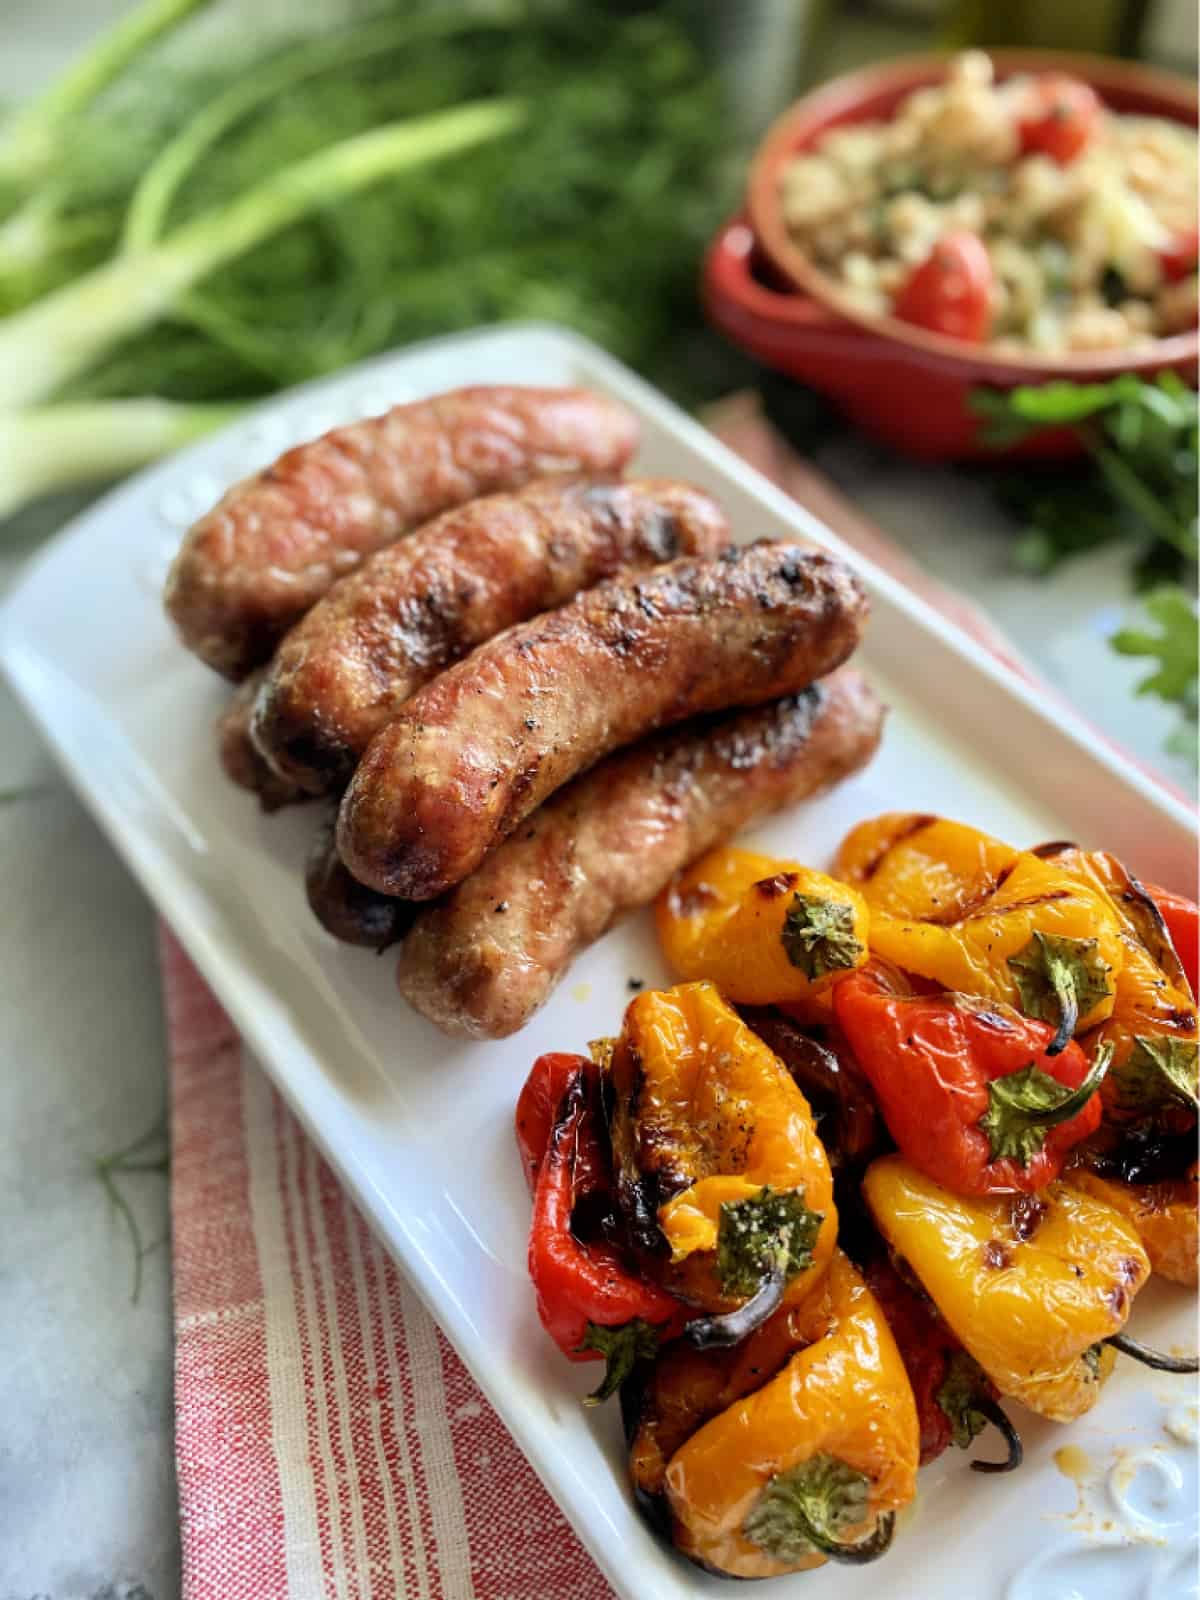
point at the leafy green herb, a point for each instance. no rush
(1060, 980)
(960, 1391)
(622, 1348)
(1175, 648)
(818, 936)
(1143, 440)
(1023, 1106)
(1159, 1071)
(770, 1232)
(809, 1508)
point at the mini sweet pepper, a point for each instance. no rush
(763, 930)
(969, 1089)
(722, 1180)
(1032, 1286)
(591, 1302)
(975, 915)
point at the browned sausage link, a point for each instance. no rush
(273, 545)
(482, 961)
(487, 741)
(346, 908)
(378, 635)
(242, 761)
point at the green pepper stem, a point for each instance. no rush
(988, 1408)
(877, 1543)
(1152, 1358)
(1074, 1103)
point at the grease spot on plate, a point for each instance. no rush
(1074, 1463)
(582, 992)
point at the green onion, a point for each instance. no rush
(44, 346)
(151, 200)
(30, 139)
(59, 447)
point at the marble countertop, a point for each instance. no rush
(87, 1493)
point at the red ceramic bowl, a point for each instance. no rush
(901, 383)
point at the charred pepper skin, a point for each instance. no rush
(1153, 998)
(1030, 1286)
(975, 915)
(704, 1116)
(582, 1287)
(1153, 1026)
(1164, 1216)
(840, 1407)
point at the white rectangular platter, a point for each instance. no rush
(419, 1128)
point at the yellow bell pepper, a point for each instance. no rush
(1164, 1216)
(763, 930)
(1153, 1024)
(720, 1173)
(1031, 1285)
(1152, 1080)
(812, 1464)
(954, 905)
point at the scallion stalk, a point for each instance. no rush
(58, 447)
(29, 139)
(146, 218)
(58, 337)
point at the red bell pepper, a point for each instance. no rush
(537, 1106)
(967, 1087)
(589, 1302)
(1182, 917)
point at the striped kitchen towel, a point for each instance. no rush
(329, 1442)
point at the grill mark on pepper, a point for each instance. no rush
(696, 899)
(1048, 898)
(1027, 1213)
(914, 826)
(1054, 847)
(996, 1255)
(1181, 1020)
(772, 888)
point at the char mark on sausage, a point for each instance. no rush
(274, 544)
(486, 742)
(411, 610)
(484, 959)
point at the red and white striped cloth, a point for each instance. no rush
(329, 1443)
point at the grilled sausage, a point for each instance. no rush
(346, 908)
(379, 634)
(273, 545)
(239, 758)
(479, 748)
(482, 961)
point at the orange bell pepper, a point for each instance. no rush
(764, 931)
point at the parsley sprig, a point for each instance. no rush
(1143, 440)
